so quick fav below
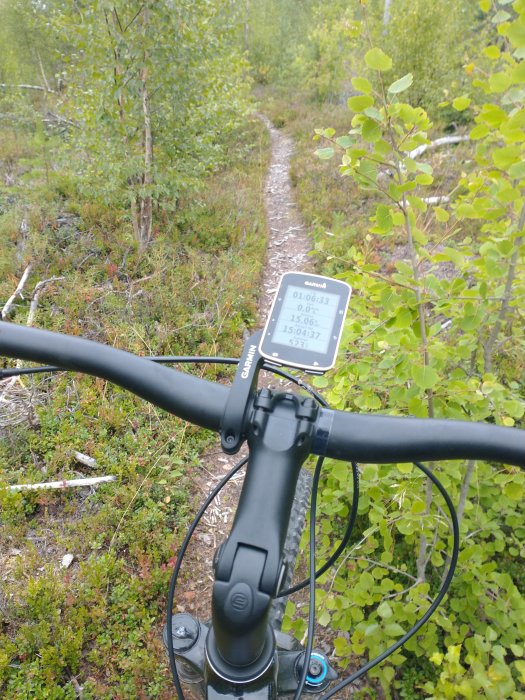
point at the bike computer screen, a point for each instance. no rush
(305, 323)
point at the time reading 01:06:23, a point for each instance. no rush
(305, 323)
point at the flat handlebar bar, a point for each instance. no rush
(193, 399)
(341, 435)
(381, 439)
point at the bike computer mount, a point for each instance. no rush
(305, 323)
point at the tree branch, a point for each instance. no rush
(64, 484)
(27, 87)
(37, 291)
(17, 293)
(488, 349)
(444, 141)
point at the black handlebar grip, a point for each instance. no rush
(390, 439)
(190, 398)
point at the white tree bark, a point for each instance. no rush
(386, 13)
(64, 484)
(27, 87)
(17, 293)
(444, 141)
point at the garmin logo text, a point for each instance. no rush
(315, 284)
(248, 363)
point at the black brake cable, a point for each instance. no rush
(176, 359)
(342, 545)
(442, 591)
(176, 569)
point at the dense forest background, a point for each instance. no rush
(131, 167)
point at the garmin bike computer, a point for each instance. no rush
(305, 322)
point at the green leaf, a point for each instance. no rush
(384, 610)
(324, 618)
(418, 507)
(425, 168)
(514, 408)
(394, 629)
(383, 219)
(492, 52)
(441, 214)
(324, 153)
(371, 630)
(370, 130)
(520, 668)
(378, 60)
(405, 467)
(505, 157)
(518, 74)
(360, 102)
(341, 646)
(501, 16)
(460, 104)
(515, 31)
(484, 5)
(424, 179)
(500, 82)
(513, 490)
(404, 318)
(425, 377)
(344, 141)
(517, 171)
(492, 115)
(341, 474)
(373, 113)
(479, 132)
(363, 85)
(402, 84)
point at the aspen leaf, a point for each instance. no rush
(378, 60)
(460, 104)
(441, 214)
(371, 131)
(324, 153)
(360, 102)
(425, 377)
(362, 84)
(402, 84)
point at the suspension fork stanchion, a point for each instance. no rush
(249, 568)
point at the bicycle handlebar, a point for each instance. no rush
(339, 434)
(381, 439)
(193, 399)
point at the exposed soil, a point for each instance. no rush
(287, 250)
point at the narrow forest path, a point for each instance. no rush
(287, 249)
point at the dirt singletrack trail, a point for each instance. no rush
(287, 250)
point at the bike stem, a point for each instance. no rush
(249, 566)
(238, 650)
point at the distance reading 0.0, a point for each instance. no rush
(306, 319)
(305, 322)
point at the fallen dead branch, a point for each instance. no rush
(87, 461)
(37, 291)
(443, 141)
(40, 88)
(17, 293)
(64, 484)
(16, 400)
(440, 199)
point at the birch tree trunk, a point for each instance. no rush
(386, 14)
(143, 205)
